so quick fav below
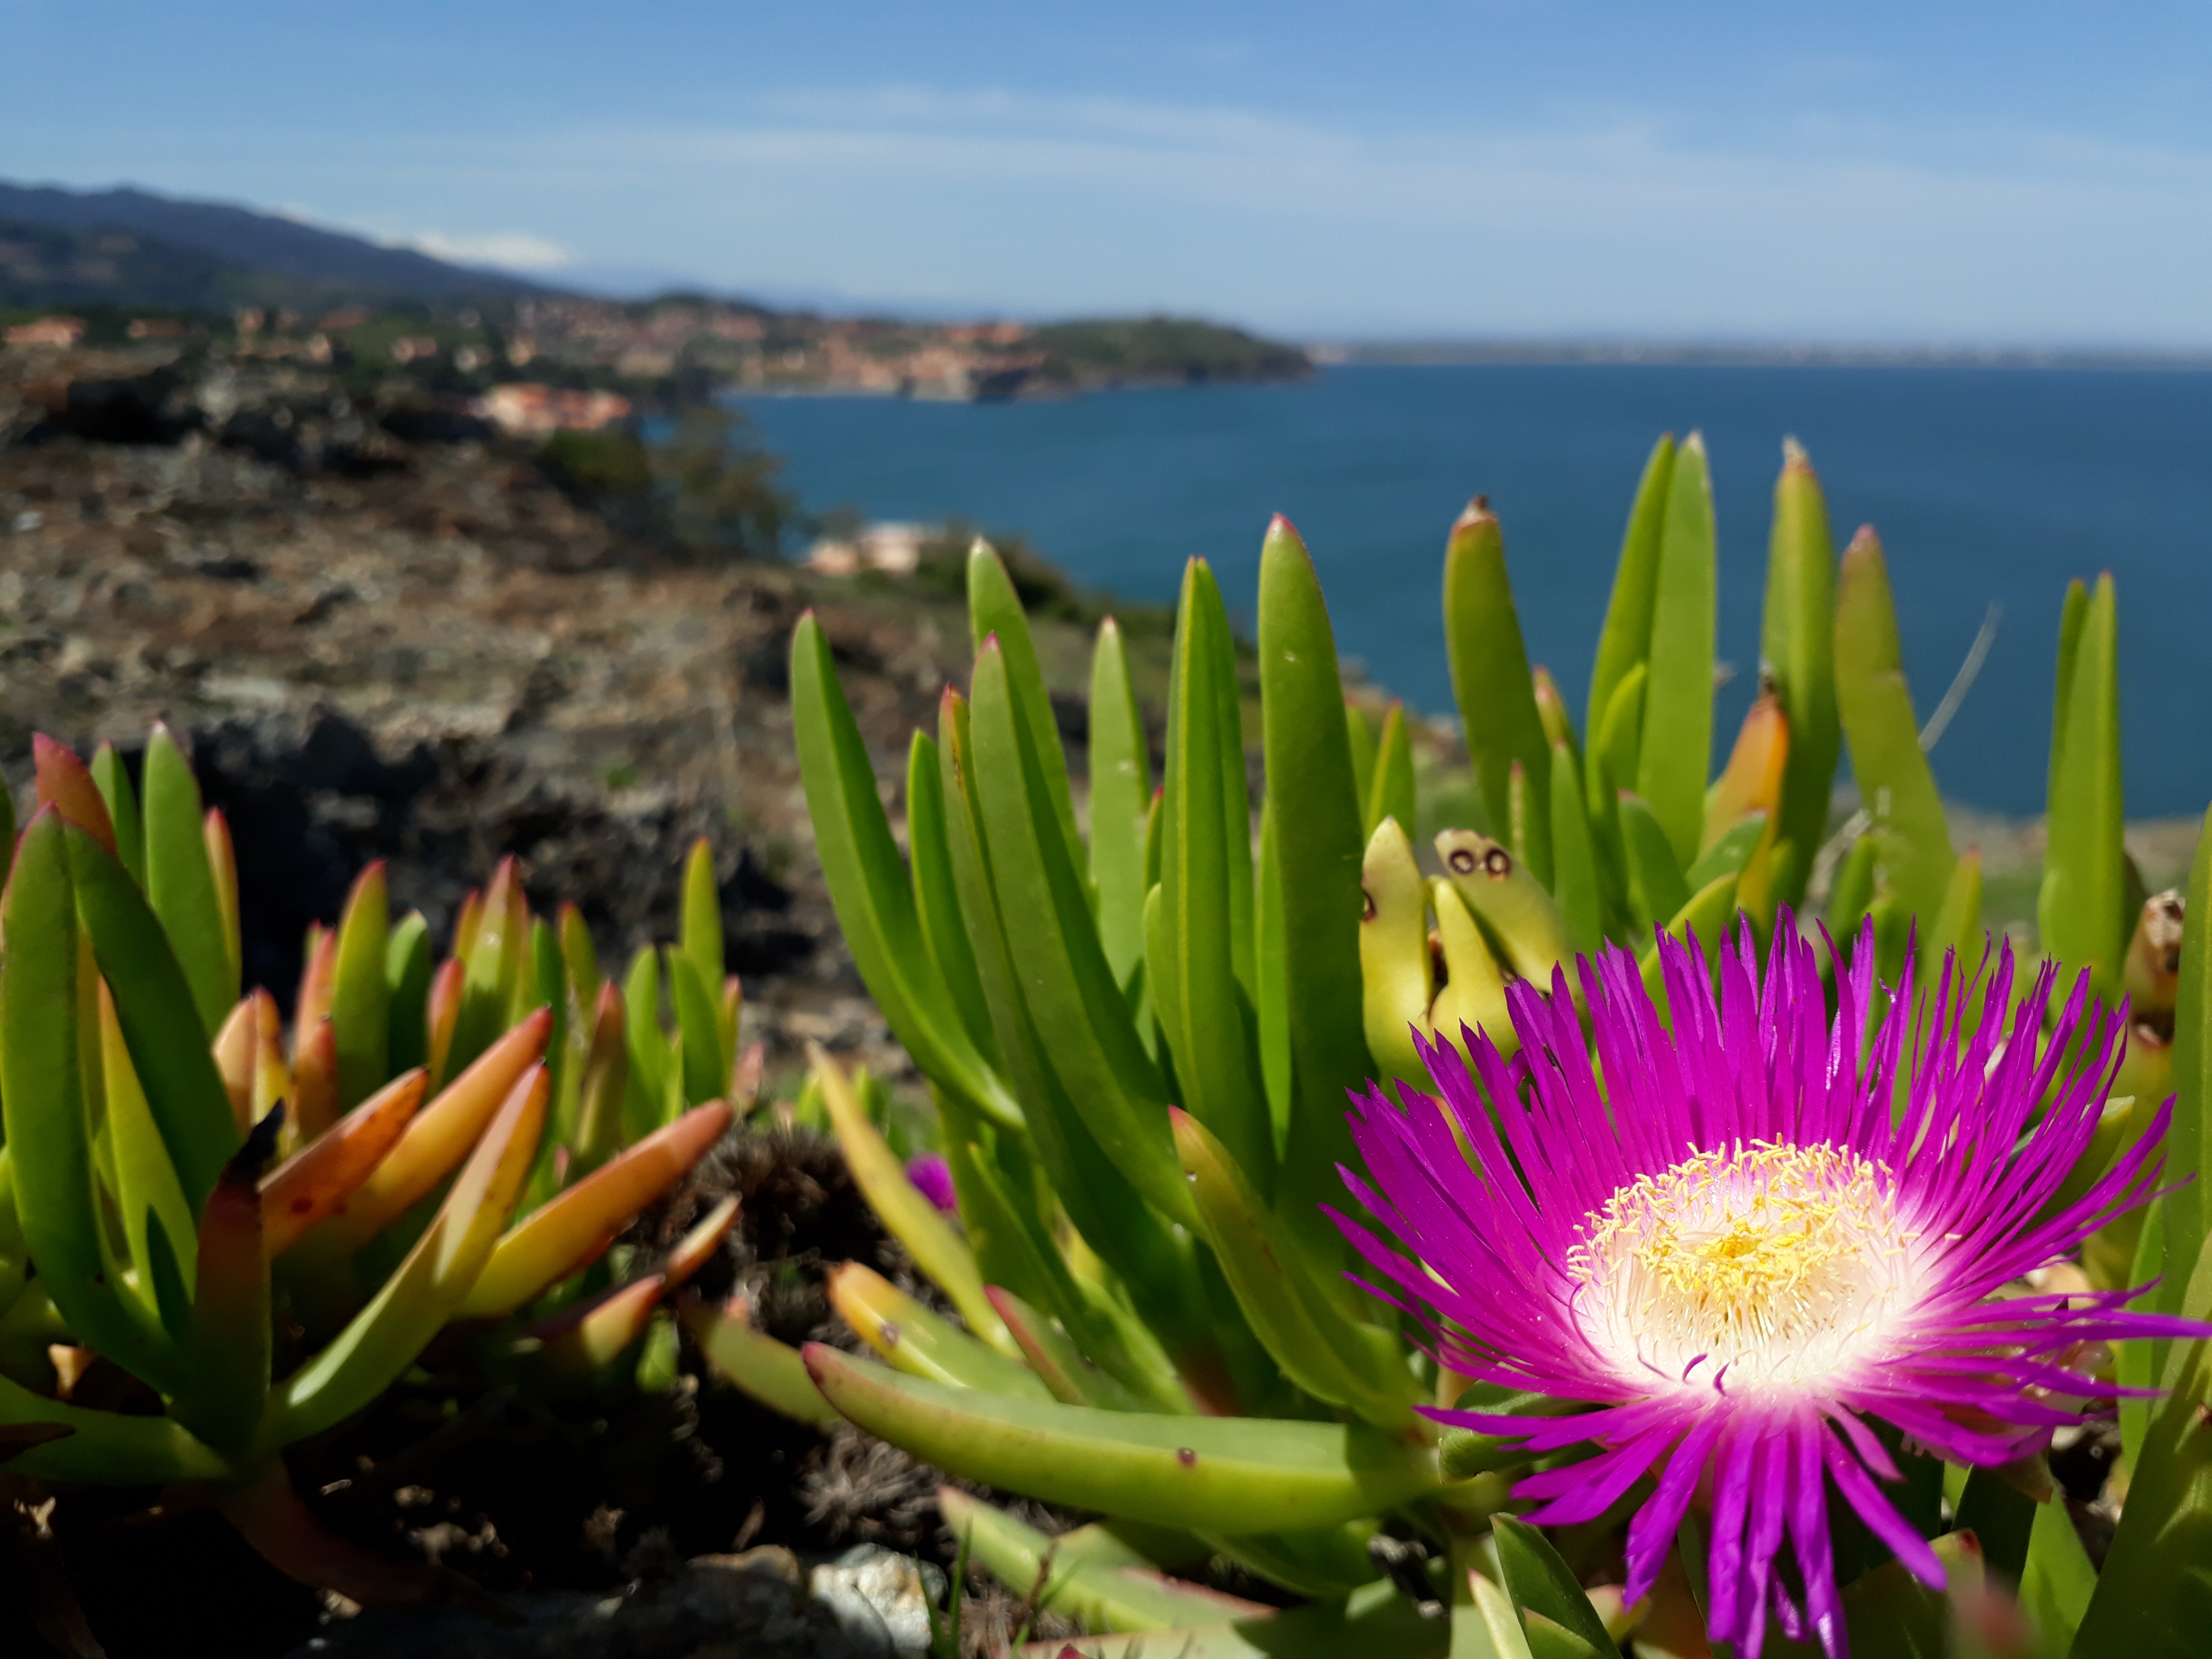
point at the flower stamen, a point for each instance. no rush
(1771, 1260)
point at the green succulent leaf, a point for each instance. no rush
(407, 970)
(1201, 958)
(428, 1287)
(937, 1249)
(1121, 795)
(1703, 917)
(1310, 1330)
(1374, 1620)
(360, 995)
(1540, 1581)
(699, 1030)
(1271, 970)
(2001, 1516)
(1511, 901)
(1657, 889)
(916, 1341)
(1390, 791)
(1319, 1561)
(1088, 1574)
(1485, 1625)
(99, 1447)
(2154, 1594)
(1728, 855)
(1491, 682)
(1397, 972)
(1067, 1374)
(153, 1006)
(1677, 745)
(699, 931)
(937, 894)
(1796, 648)
(181, 884)
(1616, 739)
(1575, 882)
(769, 1371)
(646, 1091)
(1361, 736)
(2181, 1219)
(994, 611)
(46, 1052)
(1911, 837)
(114, 785)
(1624, 644)
(1099, 1198)
(1228, 1474)
(1069, 989)
(2081, 913)
(2058, 1578)
(1313, 803)
(1852, 896)
(868, 882)
(1957, 927)
(146, 1188)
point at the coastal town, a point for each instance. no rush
(567, 363)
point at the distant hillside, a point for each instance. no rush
(1124, 349)
(42, 265)
(131, 247)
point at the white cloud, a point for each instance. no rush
(516, 250)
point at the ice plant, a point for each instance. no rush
(459, 1148)
(1140, 1013)
(1760, 1230)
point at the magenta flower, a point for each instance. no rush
(932, 1178)
(1746, 1242)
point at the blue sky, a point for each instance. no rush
(1945, 173)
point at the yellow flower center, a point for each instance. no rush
(1744, 1265)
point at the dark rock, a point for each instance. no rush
(141, 409)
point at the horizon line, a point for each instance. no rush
(1443, 351)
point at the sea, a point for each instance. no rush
(1991, 487)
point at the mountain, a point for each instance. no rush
(41, 266)
(131, 247)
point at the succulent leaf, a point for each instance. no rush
(1910, 836)
(434, 1141)
(1086, 1574)
(113, 782)
(869, 885)
(1677, 743)
(2082, 916)
(181, 880)
(360, 995)
(423, 1292)
(920, 1343)
(769, 1371)
(1624, 644)
(1067, 983)
(573, 1229)
(1397, 973)
(1314, 807)
(1121, 795)
(1796, 651)
(1489, 678)
(943, 1256)
(318, 1178)
(1228, 1474)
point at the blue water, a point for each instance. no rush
(1987, 485)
